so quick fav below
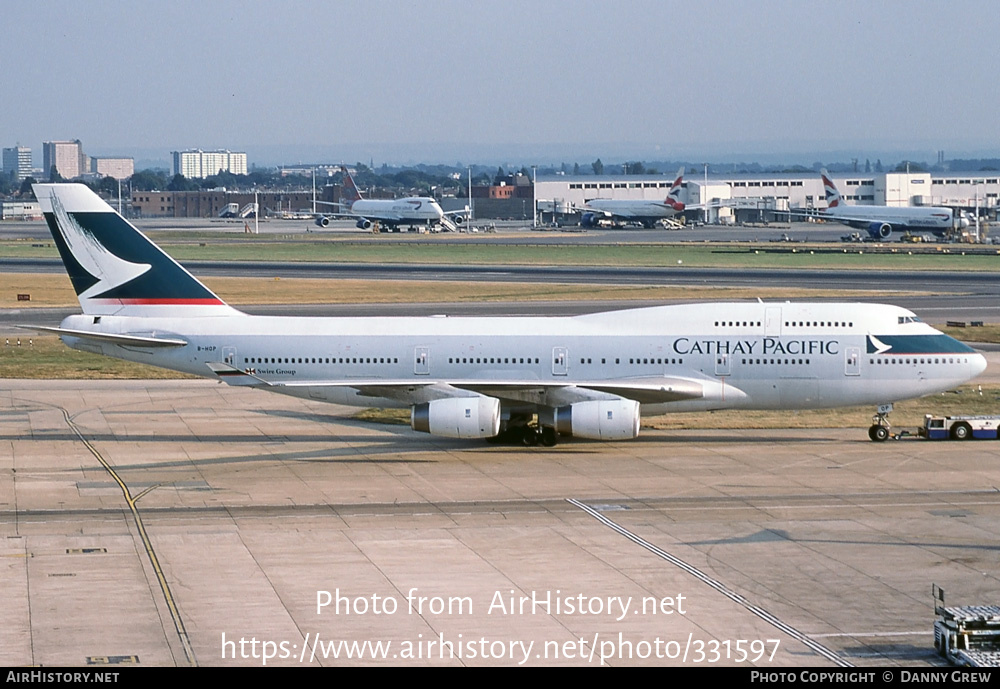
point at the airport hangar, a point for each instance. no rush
(739, 198)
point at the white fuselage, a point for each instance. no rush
(413, 209)
(631, 210)
(743, 355)
(917, 218)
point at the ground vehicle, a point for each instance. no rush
(959, 427)
(967, 635)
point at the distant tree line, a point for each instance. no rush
(452, 180)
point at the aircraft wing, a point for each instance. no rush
(332, 203)
(820, 214)
(552, 394)
(898, 220)
(335, 213)
(595, 211)
(658, 390)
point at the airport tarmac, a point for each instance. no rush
(167, 523)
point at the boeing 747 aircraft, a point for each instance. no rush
(421, 211)
(528, 379)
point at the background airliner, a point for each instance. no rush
(647, 213)
(529, 379)
(393, 213)
(881, 221)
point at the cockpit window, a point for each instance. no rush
(909, 319)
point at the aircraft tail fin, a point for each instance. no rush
(114, 268)
(674, 195)
(351, 191)
(833, 197)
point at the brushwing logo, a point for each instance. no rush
(109, 270)
(876, 346)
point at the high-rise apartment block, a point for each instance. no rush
(198, 164)
(17, 162)
(66, 157)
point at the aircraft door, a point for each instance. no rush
(723, 365)
(229, 355)
(852, 361)
(772, 321)
(421, 361)
(560, 361)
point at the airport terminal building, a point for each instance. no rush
(739, 198)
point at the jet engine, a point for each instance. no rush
(323, 221)
(458, 417)
(599, 419)
(880, 230)
(589, 220)
(364, 224)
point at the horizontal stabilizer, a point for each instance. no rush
(113, 338)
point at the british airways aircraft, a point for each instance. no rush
(881, 221)
(526, 379)
(412, 210)
(647, 213)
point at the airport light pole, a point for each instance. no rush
(534, 197)
(977, 182)
(704, 195)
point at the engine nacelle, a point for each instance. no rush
(880, 230)
(589, 219)
(599, 419)
(364, 224)
(323, 221)
(458, 417)
(458, 219)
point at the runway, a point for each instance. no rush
(976, 282)
(164, 523)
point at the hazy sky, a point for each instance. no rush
(445, 81)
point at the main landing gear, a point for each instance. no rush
(879, 430)
(519, 431)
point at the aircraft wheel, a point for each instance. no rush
(878, 433)
(530, 437)
(549, 437)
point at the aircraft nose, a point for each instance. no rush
(977, 364)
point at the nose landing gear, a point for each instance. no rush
(879, 430)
